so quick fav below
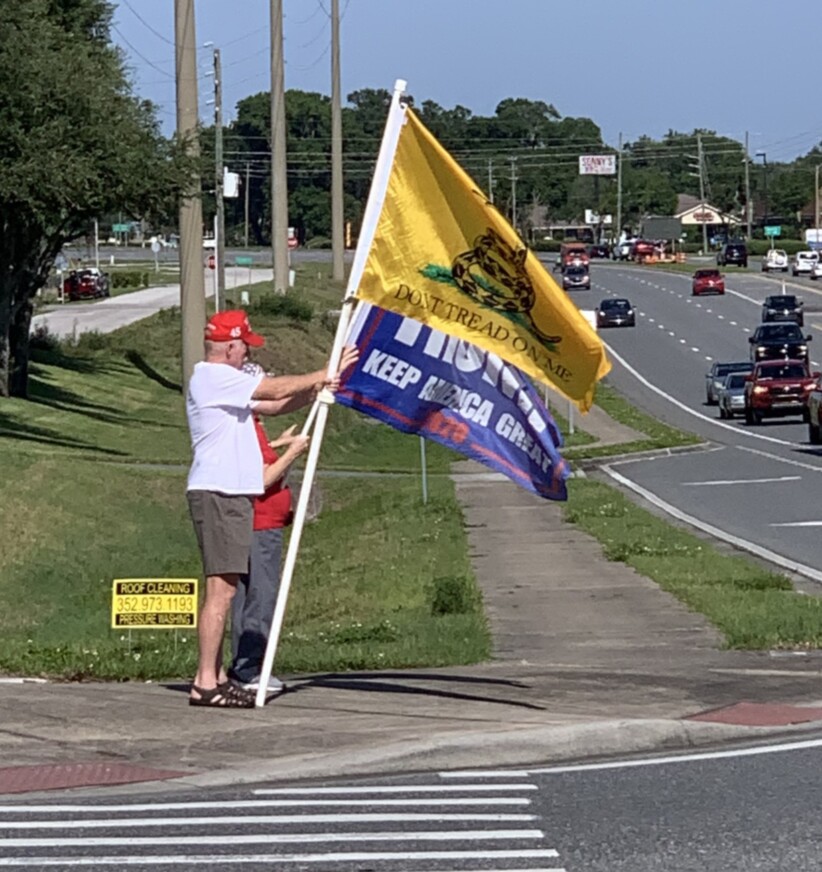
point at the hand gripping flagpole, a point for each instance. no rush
(373, 208)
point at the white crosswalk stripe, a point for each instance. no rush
(484, 823)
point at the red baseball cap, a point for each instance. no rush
(232, 324)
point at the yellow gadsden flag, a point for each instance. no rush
(443, 255)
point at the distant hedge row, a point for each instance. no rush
(129, 278)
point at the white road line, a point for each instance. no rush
(246, 820)
(743, 544)
(680, 405)
(694, 349)
(276, 838)
(337, 857)
(798, 463)
(479, 773)
(401, 788)
(741, 481)
(758, 751)
(744, 297)
(798, 524)
(454, 801)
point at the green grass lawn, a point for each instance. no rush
(92, 479)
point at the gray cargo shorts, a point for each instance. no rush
(223, 524)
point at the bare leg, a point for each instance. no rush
(219, 593)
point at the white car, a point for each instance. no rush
(804, 262)
(776, 258)
(816, 272)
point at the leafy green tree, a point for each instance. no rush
(74, 144)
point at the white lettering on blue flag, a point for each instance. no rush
(421, 381)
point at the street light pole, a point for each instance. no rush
(816, 201)
(748, 203)
(764, 157)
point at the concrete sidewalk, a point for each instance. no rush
(591, 659)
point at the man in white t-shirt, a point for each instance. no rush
(226, 473)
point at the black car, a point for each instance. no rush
(576, 278)
(615, 313)
(735, 253)
(783, 307)
(599, 251)
(777, 341)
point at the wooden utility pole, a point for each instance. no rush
(279, 179)
(219, 201)
(514, 193)
(748, 203)
(490, 180)
(701, 160)
(247, 200)
(337, 228)
(192, 283)
(619, 192)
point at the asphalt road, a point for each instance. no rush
(734, 810)
(759, 484)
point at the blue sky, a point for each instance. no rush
(633, 66)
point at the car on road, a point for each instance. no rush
(777, 388)
(622, 250)
(85, 284)
(573, 254)
(804, 262)
(783, 307)
(735, 253)
(642, 249)
(576, 278)
(615, 312)
(707, 281)
(715, 377)
(775, 259)
(731, 397)
(599, 250)
(779, 341)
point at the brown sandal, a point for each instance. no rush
(225, 695)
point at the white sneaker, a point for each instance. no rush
(275, 686)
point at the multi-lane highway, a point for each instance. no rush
(761, 484)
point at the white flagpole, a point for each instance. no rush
(371, 216)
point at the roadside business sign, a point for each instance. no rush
(597, 164)
(773, 230)
(154, 603)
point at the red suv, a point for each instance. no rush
(707, 281)
(83, 284)
(778, 387)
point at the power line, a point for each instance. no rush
(142, 21)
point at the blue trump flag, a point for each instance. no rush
(421, 381)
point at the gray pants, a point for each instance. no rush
(253, 605)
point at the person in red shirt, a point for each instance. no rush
(253, 605)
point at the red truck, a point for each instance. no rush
(778, 387)
(573, 253)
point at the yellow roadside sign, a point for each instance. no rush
(154, 603)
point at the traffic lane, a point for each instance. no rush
(711, 327)
(697, 813)
(751, 493)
